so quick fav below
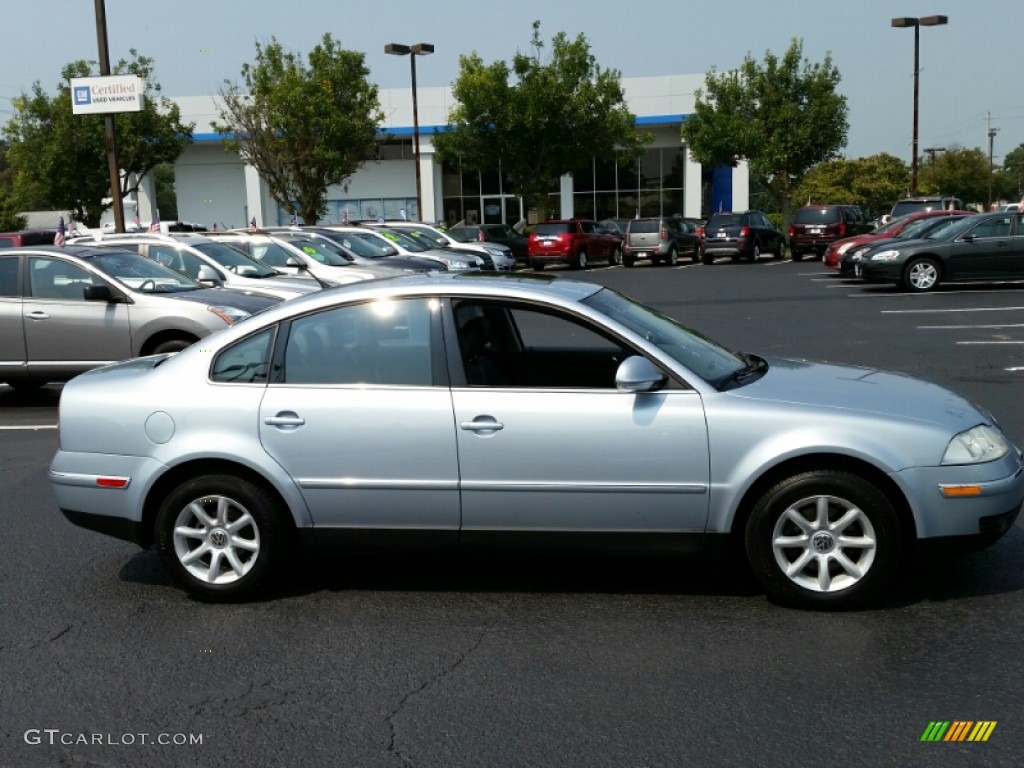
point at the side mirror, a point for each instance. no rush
(968, 238)
(208, 274)
(638, 374)
(101, 293)
(296, 262)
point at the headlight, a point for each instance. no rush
(890, 255)
(455, 264)
(230, 315)
(976, 446)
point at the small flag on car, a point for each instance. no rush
(252, 224)
(154, 225)
(62, 232)
(138, 221)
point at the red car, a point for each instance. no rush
(575, 242)
(835, 251)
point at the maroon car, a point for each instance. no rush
(575, 242)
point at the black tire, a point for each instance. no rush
(755, 255)
(922, 275)
(797, 256)
(172, 345)
(616, 258)
(780, 251)
(706, 258)
(580, 262)
(673, 257)
(629, 261)
(839, 495)
(537, 266)
(225, 499)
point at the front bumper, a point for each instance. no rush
(879, 271)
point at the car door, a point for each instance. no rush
(986, 250)
(548, 444)
(362, 417)
(63, 331)
(12, 332)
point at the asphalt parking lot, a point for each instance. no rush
(399, 660)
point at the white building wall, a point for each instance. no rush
(210, 186)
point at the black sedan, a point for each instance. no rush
(923, 229)
(985, 247)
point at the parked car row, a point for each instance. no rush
(956, 247)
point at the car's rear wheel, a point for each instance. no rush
(537, 266)
(780, 251)
(824, 539)
(922, 275)
(629, 261)
(616, 257)
(222, 537)
(707, 258)
(755, 255)
(797, 256)
(580, 262)
(673, 257)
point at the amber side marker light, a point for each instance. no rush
(960, 490)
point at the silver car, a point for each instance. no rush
(66, 310)
(474, 409)
(214, 263)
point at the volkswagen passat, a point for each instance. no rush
(471, 409)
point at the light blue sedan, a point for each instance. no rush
(476, 409)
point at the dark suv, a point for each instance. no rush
(816, 227)
(660, 240)
(576, 242)
(742, 234)
(915, 204)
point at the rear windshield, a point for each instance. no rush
(557, 228)
(904, 207)
(719, 220)
(817, 216)
(644, 226)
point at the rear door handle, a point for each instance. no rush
(38, 315)
(285, 419)
(482, 424)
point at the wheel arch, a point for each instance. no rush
(178, 474)
(932, 257)
(822, 461)
(160, 337)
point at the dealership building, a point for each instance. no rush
(215, 187)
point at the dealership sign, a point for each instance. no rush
(112, 93)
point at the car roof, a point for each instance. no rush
(78, 251)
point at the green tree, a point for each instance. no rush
(304, 127)
(958, 171)
(538, 120)
(874, 183)
(1010, 178)
(9, 218)
(783, 117)
(61, 159)
(166, 196)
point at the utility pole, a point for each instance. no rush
(991, 141)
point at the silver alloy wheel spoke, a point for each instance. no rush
(824, 543)
(218, 548)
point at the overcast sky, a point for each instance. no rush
(969, 68)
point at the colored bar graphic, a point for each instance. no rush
(958, 730)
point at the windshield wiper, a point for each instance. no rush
(754, 367)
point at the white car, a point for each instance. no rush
(498, 257)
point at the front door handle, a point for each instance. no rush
(38, 315)
(285, 420)
(482, 424)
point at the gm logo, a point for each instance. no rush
(82, 95)
(958, 730)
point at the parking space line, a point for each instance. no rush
(29, 427)
(990, 342)
(967, 327)
(939, 311)
(1015, 368)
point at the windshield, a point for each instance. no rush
(322, 251)
(953, 228)
(141, 274)
(234, 260)
(426, 237)
(892, 227)
(372, 244)
(402, 240)
(690, 348)
(461, 235)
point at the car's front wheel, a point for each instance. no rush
(616, 256)
(921, 275)
(824, 540)
(580, 262)
(222, 537)
(673, 257)
(780, 251)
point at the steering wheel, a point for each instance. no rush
(150, 282)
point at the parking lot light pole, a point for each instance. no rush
(917, 23)
(412, 51)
